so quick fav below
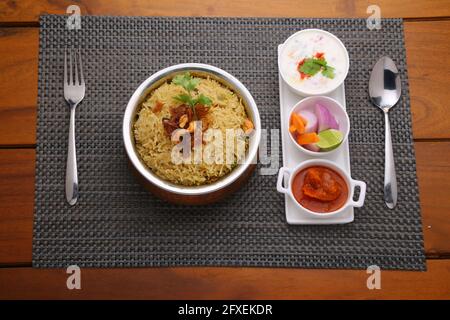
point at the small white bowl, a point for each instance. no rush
(293, 50)
(336, 109)
(351, 185)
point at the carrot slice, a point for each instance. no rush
(292, 128)
(158, 106)
(298, 123)
(308, 138)
(305, 122)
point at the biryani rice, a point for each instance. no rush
(155, 146)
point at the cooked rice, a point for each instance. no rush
(155, 147)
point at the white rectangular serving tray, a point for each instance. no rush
(292, 157)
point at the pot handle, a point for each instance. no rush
(362, 193)
(281, 174)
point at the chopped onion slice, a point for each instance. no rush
(325, 119)
(311, 121)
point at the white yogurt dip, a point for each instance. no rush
(308, 44)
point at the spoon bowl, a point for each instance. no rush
(385, 84)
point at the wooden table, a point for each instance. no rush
(427, 36)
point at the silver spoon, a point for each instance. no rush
(385, 90)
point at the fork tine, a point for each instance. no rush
(81, 68)
(70, 68)
(75, 62)
(65, 66)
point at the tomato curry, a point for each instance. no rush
(320, 189)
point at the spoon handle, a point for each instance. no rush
(390, 178)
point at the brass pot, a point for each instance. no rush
(197, 194)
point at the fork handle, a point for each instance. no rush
(71, 167)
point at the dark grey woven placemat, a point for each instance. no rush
(117, 223)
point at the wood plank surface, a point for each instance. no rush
(225, 283)
(427, 50)
(427, 41)
(17, 198)
(433, 173)
(16, 205)
(29, 10)
(18, 85)
(427, 77)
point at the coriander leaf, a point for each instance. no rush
(328, 72)
(181, 79)
(309, 67)
(186, 81)
(192, 83)
(322, 62)
(204, 100)
(185, 98)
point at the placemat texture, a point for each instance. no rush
(117, 223)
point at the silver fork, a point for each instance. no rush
(74, 89)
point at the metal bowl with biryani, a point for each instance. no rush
(146, 113)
